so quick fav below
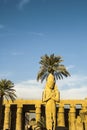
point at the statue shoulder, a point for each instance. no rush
(56, 87)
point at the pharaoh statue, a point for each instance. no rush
(50, 97)
(79, 123)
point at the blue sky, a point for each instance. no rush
(32, 28)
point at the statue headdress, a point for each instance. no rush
(50, 78)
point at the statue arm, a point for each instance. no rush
(45, 97)
(56, 97)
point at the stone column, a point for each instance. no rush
(19, 118)
(38, 112)
(7, 117)
(72, 118)
(60, 117)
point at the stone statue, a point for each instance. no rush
(50, 96)
(79, 123)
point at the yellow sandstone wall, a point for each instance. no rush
(74, 120)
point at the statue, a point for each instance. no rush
(50, 96)
(79, 123)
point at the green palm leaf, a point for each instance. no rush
(51, 64)
(6, 91)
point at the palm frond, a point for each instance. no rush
(7, 89)
(51, 64)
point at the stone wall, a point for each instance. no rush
(70, 113)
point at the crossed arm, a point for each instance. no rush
(50, 95)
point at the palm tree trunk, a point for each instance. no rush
(1, 103)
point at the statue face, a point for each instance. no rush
(50, 81)
(51, 84)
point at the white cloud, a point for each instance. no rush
(74, 87)
(70, 67)
(22, 3)
(74, 93)
(30, 89)
(74, 81)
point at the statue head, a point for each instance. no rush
(50, 81)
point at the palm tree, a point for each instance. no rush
(7, 92)
(51, 64)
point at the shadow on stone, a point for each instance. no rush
(61, 128)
